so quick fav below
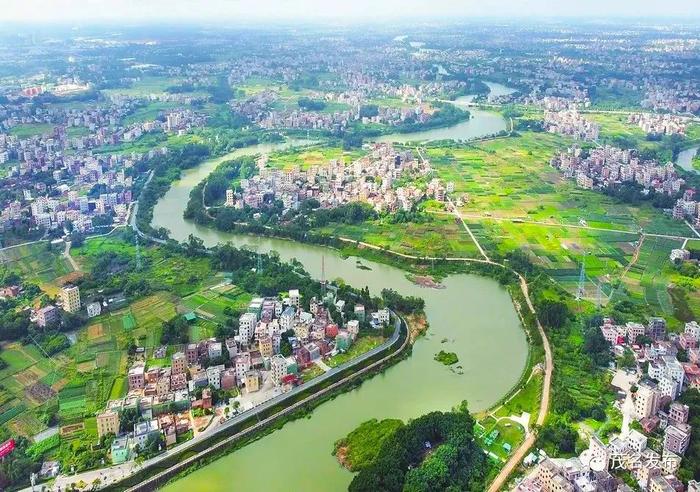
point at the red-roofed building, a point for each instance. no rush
(690, 369)
(649, 423)
(332, 330)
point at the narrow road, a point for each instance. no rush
(522, 450)
(635, 257)
(517, 220)
(466, 228)
(517, 457)
(519, 453)
(71, 260)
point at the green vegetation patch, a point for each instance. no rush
(360, 448)
(447, 358)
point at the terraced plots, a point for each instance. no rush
(512, 178)
(439, 236)
(36, 263)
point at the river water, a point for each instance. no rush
(482, 123)
(473, 317)
(685, 159)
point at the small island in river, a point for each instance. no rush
(447, 358)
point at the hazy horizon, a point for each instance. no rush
(66, 11)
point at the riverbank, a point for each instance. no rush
(274, 417)
(464, 311)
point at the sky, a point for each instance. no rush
(67, 11)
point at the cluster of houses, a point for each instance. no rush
(68, 300)
(571, 123)
(659, 124)
(55, 170)
(340, 120)
(653, 454)
(676, 97)
(555, 104)
(358, 91)
(606, 166)
(252, 361)
(686, 208)
(371, 179)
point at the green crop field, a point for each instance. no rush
(315, 156)
(211, 304)
(440, 236)
(144, 87)
(176, 274)
(149, 112)
(37, 264)
(18, 357)
(31, 130)
(72, 407)
(128, 322)
(512, 178)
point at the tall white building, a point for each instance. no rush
(70, 295)
(278, 368)
(246, 327)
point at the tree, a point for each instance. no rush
(127, 419)
(597, 346)
(194, 246)
(553, 314)
(627, 360)
(77, 239)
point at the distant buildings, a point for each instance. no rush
(569, 122)
(606, 166)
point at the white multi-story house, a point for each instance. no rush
(246, 327)
(294, 297)
(278, 368)
(242, 364)
(693, 329)
(214, 375)
(287, 319)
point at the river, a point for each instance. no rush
(473, 317)
(685, 159)
(480, 124)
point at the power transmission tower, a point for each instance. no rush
(581, 281)
(138, 253)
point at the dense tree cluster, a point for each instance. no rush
(308, 104)
(403, 304)
(690, 467)
(175, 332)
(434, 452)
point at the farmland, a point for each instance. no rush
(37, 264)
(144, 87)
(438, 236)
(314, 156)
(511, 178)
(77, 382)
(31, 130)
